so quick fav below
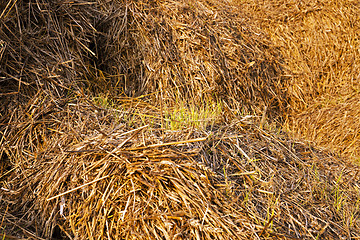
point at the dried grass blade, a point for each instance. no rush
(168, 144)
(74, 189)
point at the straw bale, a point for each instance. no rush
(186, 50)
(208, 49)
(91, 176)
(319, 42)
(334, 125)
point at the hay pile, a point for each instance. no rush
(94, 174)
(207, 49)
(86, 151)
(319, 42)
(204, 51)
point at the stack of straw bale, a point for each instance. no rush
(71, 168)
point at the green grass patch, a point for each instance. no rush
(200, 117)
